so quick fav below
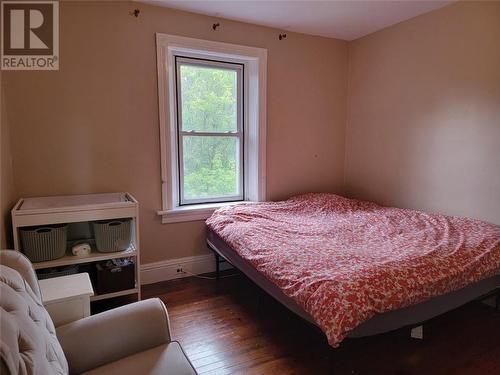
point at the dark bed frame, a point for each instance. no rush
(409, 316)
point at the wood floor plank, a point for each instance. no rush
(231, 327)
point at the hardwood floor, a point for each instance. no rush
(231, 327)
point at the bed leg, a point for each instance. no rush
(331, 361)
(217, 266)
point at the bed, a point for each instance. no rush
(354, 268)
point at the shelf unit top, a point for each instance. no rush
(73, 208)
(35, 205)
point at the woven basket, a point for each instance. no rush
(112, 235)
(41, 244)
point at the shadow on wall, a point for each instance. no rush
(7, 192)
(442, 160)
(424, 116)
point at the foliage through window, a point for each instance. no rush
(210, 130)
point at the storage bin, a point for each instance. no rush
(44, 243)
(112, 235)
(112, 278)
(48, 273)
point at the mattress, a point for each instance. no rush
(342, 263)
(379, 323)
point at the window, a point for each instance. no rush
(212, 125)
(209, 96)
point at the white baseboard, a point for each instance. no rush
(168, 269)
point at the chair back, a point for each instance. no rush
(28, 343)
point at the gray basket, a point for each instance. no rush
(112, 235)
(44, 243)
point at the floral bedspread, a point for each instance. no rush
(344, 260)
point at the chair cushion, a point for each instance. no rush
(166, 359)
(28, 341)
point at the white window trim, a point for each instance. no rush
(255, 62)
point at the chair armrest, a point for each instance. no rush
(106, 337)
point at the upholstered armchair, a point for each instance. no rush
(133, 339)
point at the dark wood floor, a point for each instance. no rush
(231, 327)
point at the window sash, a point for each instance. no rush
(239, 133)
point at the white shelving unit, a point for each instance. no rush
(73, 209)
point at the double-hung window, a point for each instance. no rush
(212, 108)
(210, 126)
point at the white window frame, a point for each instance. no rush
(239, 134)
(254, 61)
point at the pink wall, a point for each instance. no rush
(7, 193)
(423, 125)
(93, 125)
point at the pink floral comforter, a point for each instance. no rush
(344, 260)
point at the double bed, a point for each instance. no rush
(355, 268)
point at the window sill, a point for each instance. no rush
(193, 212)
